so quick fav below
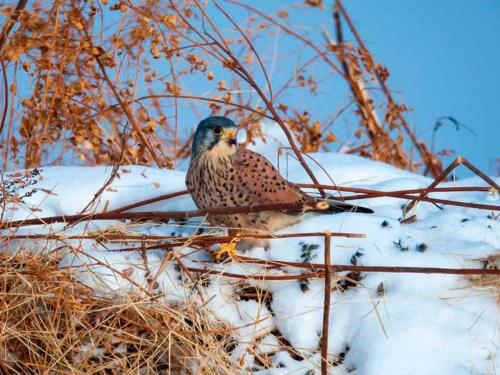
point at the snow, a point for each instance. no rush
(388, 324)
(65, 190)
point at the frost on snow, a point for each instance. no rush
(386, 324)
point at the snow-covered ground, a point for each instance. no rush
(387, 324)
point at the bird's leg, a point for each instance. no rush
(227, 248)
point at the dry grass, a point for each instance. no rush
(488, 283)
(50, 323)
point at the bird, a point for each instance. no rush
(223, 173)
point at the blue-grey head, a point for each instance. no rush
(214, 132)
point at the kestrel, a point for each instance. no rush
(223, 174)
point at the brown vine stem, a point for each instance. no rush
(437, 180)
(119, 214)
(376, 194)
(364, 193)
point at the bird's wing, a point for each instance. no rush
(262, 182)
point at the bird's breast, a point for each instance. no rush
(211, 181)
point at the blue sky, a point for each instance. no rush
(444, 59)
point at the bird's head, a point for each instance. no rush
(217, 134)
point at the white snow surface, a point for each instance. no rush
(389, 324)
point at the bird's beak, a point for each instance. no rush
(230, 136)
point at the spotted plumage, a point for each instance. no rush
(224, 174)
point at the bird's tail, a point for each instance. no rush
(334, 206)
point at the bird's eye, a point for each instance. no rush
(217, 130)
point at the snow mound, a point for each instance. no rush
(380, 323)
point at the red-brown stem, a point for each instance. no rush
(342, 268)
(254, 277)
(194, 97)
(375, 193)
(215, 211)
(403, 195)
(379, 269)
(270, 106)
(365, 193)
(480, 174)
(3, 38)
(158, 215)
(6, 97)
(11, 22)
(326, 307)
(432, 187)
(413, 191)
(149, 201)
(118, 238)
(438, 179)
(369, 193)
(290, 32)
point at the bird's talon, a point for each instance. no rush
(226, 248)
